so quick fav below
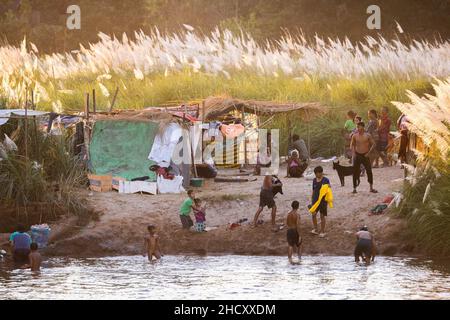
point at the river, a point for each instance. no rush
(229, 277)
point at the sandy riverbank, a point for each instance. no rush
(123, 220)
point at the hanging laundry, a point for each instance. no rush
(164, 145)
(214, 129)
(232, 130)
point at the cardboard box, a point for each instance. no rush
(100, 183)
(116, 182)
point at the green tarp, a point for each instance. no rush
(121, 148)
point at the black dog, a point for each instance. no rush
(277, 185)
(344, 171)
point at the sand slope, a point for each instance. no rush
(124, 218)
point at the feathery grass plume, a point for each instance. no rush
(430, 117)
(426, 205)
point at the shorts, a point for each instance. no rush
(363, 246)
(382, 145)
(266, 199)
(186, 221)
(200, 226)
(322, 209)
(293, 238)
(21, 256)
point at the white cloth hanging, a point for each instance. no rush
(164, 145)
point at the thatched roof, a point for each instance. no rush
(217, 106)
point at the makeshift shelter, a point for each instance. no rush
(252, 115)
(125, 144)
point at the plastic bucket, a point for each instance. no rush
(197, 182)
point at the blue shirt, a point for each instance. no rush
(316, 188)
(21, 241)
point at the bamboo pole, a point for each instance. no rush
(26, 125)
(114, 99)
(94, 105)
(86, 106)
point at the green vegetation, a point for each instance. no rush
(49, 176)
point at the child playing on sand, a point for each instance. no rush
(35, 258)
(200, 215)
(293, 231)
(321, 198)
(151, 244)
(185, 210)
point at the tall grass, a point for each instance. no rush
(48, 174)
(426, 203)
(154, 69)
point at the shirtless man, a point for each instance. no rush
(266, 199)
(151, 244)
(293, 231)
(362, 145)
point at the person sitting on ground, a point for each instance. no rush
(185, 210)
(362, 145)
(200, 215)
(364, 245)
(35, 257)
(266, 199)
(151, 244)
(20, 242)
(293, 231)
(295, 166)
(321, 198)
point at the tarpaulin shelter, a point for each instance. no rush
(119, 143)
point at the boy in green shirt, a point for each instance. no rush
(185, 210)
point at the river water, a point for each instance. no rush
(229, 277)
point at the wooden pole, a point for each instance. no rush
(32, 100)
(245, 138)
(203, 110)
(86, 106)
(94, 105)
(190, 144)
(114, 99)
(26, 125)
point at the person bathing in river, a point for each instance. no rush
(293, 231)
(266, 199)
(20, 245)
(151, 244)
(200, 215)
(35, 257)
(321, 198)
(364, 246)
(362, 145)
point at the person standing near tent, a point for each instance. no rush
(362, 145)
(185, 210)
(266, 199)
(349, 126)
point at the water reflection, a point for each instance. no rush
(229, 277)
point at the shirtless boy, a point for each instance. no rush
(362, 144)
(151, 244)
(35, 257)
(293, 231)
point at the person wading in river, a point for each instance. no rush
(293, 231)
(362, 144)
